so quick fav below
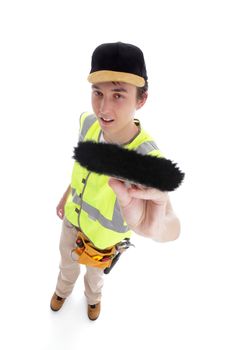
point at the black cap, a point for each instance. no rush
(118, 62)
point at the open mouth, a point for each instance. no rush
(107, 121)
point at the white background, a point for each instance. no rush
(176, 295)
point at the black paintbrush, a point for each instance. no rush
(129, 165)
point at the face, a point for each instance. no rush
(115, 104)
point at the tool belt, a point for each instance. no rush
(87, 254)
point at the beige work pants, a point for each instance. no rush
(70, 270)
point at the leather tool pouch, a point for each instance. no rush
(88, 255)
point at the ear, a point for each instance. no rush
(142, 101)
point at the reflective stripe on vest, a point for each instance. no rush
(146, 147)
(116, 224)
(88, 122)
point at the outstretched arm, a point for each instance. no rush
(147, 211)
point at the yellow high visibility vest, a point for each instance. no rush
(92, 205)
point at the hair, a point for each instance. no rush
(142, 90)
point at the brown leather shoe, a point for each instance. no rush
(93, 311)
(56, 302)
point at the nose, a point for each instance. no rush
(105, 106)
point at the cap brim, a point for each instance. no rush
(103, 76)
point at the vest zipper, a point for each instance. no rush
(81, 197)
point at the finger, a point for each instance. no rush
(148, 194)
(120, 190)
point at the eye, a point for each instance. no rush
(97, 93)
(118, 96)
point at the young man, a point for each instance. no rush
(104, 210)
